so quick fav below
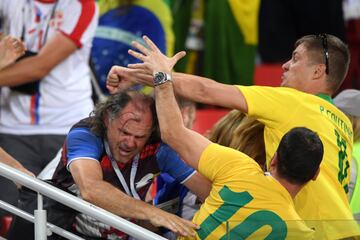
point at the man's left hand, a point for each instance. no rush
(153, 59)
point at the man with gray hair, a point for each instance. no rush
(110, 160)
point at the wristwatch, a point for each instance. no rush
(161, 78)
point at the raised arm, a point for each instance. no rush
(36, 67)
(88, 177)
(195, 88)
(186, 142)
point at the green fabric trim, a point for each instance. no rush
(326, 97)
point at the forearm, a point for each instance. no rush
(113, 200)
(24, 71)
(205, 90)
(199, 185)
(10, 161)
(193, 87)
(171, 123)
(187, 143)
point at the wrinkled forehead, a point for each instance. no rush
(136, 121)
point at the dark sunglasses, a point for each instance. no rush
(324, 42)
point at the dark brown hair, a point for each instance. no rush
(339, 56)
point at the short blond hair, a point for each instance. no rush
(243, 133)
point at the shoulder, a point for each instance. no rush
(81, 136)
(165, 151)
(150, 150)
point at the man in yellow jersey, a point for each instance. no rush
(315, 71)
(244, 202)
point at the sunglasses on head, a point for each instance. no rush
(324, 42)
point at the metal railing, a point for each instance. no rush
(71, 201)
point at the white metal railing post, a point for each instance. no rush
(40, 220)
(28, 217)
(78, 204)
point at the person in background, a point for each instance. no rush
(243, 198)
(47, 90)
(243, 133)
(122, 21)
(315, 71)
(11, 49)
(348, 101)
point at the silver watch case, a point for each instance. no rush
(161, 78)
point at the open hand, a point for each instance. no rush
(153, 59)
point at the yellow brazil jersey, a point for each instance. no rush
(322, 203)
(244, 203)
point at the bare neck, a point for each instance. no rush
(317, 87)
(293, 189)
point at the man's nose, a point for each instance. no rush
(285, 66)
(130, 141)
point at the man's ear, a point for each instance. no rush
(319, 71)
(316, 174)
(274, 161)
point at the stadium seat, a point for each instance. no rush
(268, 75)
(5, 223)
(206, 118)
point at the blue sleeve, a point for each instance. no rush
(82, 143)
(170, 162)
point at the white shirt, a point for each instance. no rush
(65, 93)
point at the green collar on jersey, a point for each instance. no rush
(325, 97)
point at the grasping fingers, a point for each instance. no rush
(10, 50)
(18, 46)
(186, 228)
(182, 227)
(174, 223)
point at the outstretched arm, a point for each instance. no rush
(10, 50)
(195, 88)
(88, 177)
(186, 142)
